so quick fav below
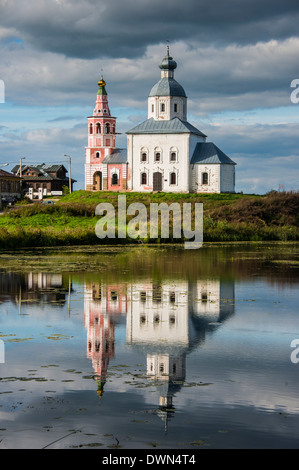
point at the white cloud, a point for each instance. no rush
(215, 79)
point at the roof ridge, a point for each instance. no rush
(174, 125)
(6, 173)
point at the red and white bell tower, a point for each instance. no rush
(101, 141)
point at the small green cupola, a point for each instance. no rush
(102, 84)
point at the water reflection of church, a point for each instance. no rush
(35, 288)
(103, 306)
(164, 320)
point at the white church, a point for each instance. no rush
(164, 153)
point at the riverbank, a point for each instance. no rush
(227, 218)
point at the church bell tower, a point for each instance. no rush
(101, 139)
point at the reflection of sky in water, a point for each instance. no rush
(208, 360)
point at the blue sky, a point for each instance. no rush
(236, 63)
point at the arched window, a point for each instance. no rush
(107, 128)
(143, 154)
(162, 107)
(98, 155)
(205, 178)
(172, 178)
(98, 128)
(173, 154)
(113, 295)
(90, 129)
(114, 179)
(143, 178)
(158, 154)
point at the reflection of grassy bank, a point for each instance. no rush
(278, 261)
(227, 217)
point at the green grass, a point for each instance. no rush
(227, 217)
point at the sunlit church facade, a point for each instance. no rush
(164, 153)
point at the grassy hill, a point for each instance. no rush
(227, 217)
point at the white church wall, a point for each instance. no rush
(194, 139)
(87, 156)
(213, 178)
(173, 106)
(164, 143)
(163, 367)
(158, 313)
(206, 298)
(90, 170)
(227, 179)
(130, 162)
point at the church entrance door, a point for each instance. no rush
(157, 181)
(97, 181)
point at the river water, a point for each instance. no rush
(145, 348)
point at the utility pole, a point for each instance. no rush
(21, 166)
(70, 176)
(22, 158)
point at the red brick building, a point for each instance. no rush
(10, 186)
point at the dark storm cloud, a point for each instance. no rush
(89, 28)
(227, 54)
(232, 56)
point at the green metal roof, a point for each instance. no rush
(102, 91)
(167, 86)
(173, 126)
(42, 168)
(207, 152)
(43, 171)
(117, 156)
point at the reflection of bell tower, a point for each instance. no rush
(169, 372)
(102, 305)
(100, 346)
(100, 335)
